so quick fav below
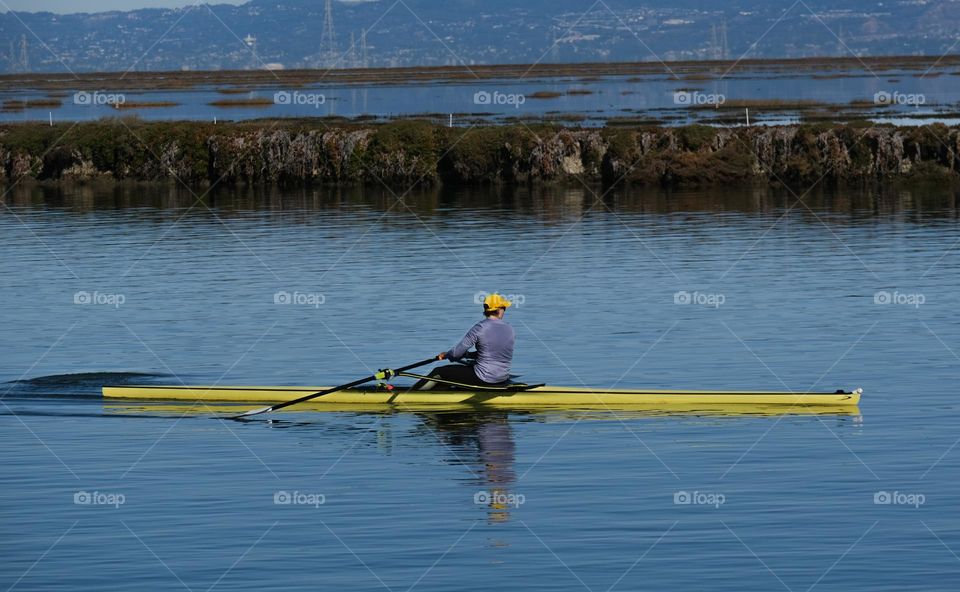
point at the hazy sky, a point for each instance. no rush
(96, 5)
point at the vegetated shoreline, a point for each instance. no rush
(412, 152)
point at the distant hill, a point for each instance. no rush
(290, 33)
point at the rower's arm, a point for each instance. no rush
(469, 340)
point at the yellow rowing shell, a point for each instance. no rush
(543, 396)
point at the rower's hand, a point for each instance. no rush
(442, 356)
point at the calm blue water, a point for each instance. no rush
(783, 295)
(909, 94)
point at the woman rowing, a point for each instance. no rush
(489, 364)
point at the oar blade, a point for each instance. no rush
(254, 412)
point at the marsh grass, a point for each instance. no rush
(768, 104)
(544, 94)
(254, 102)
(20, 105)
(145, 105)
(638, 71)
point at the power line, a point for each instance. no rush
(328, 42)
(352, 58)
(723, 40)
(363, 48)
(24, 56)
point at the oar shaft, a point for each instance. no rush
(337, 388)
(322, 393)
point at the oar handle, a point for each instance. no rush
(381, 375)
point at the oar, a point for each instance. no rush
(381, 375)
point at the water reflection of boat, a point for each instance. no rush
(478, 438)
(483, 441)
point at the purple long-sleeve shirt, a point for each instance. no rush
(494, 341)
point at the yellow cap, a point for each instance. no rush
(495, 301)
